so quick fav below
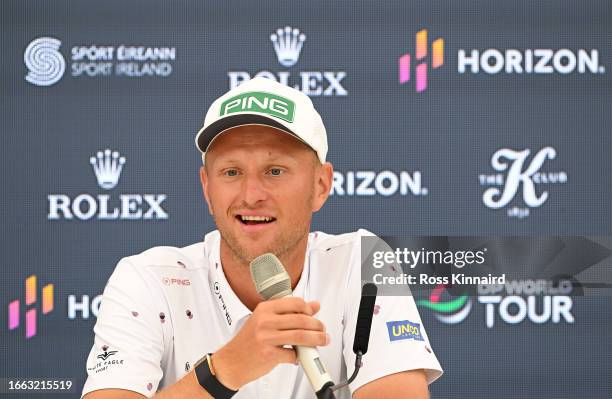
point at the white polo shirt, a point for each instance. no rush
(164, 309)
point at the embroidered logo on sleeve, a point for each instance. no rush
(106, 353)
(105, 363)
(404, 329)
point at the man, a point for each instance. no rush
(188, 322)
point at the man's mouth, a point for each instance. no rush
(250, 220)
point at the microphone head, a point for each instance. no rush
(270, 277)
(364, 318)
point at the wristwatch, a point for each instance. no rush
(205, 373)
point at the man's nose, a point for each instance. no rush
(253, 190)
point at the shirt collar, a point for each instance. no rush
(228, 303)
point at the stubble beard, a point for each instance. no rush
(282, 245)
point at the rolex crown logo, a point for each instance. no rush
(107, 166)
(287, 44)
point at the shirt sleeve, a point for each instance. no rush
(398, 341)
(128, 344)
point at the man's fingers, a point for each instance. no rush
(289, 305)
(315, 306)
(287, 356)
(297, 321)
(299, 337)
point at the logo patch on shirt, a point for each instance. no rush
(175, 281)
(106, 354)
(404, 329)
(221, 303)
(105, 364)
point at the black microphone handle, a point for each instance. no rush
(364, 318)
(362, 332)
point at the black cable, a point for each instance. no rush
(358, 364)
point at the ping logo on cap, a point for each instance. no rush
(260, 102)
(404, 330)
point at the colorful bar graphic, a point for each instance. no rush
(47, 298)
(421, 68)
(30, 323)
(421, 44)
(30, 284)
(13, 315)
(421, 77)
(14, 307)
(438, 53)
(404, 68)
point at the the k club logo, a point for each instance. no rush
(437, 60)
(107, 166)
(287, 43)
(45, 63)
(31, 292)
(514, 173)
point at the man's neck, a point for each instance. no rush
(238, 274)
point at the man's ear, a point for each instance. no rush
(324, 175)
(204, 181)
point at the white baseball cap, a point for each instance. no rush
(262, 101)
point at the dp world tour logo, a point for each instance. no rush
(453, 311)
(30, 299)
(421, 67)
(45, 63)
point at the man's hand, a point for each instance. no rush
(258, 346)
(253, 352)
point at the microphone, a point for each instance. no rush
(362, 329)
(364, 318)
(272, 281)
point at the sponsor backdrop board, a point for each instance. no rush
(444, 118)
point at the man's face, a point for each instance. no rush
(262, 186)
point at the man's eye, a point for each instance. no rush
(231, 172)
(276, 171)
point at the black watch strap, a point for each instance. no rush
(209, 382)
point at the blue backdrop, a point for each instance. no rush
(427, 106)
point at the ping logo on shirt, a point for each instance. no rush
(260, 102)
(404, 330)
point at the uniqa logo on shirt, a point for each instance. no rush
(404, 329)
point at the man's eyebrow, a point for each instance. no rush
(232, 160)
(278, 157)
(281, 157)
